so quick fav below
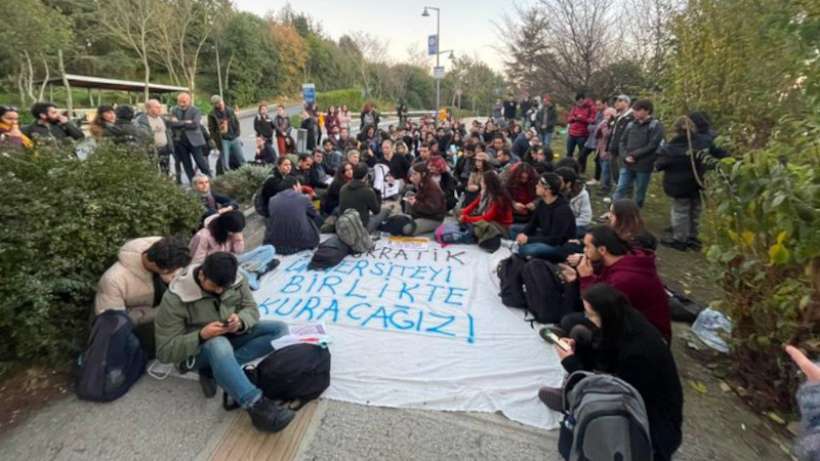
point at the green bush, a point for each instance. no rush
(352, 97)
(242, 183)
(764, 216)
(63, 223)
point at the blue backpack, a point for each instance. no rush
(112, 362)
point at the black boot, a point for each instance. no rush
(207, 383)
(267, 416)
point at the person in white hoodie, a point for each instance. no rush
(574, 189)
(136, 282)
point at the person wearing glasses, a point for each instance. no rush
(10, 134)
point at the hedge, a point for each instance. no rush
(63, 223)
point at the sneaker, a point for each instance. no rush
(207, 383)
(674, 244)
(267, 416)
(273, 264)
(591, 182)
(607, 199)
(553, 397)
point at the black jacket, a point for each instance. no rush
(616, 129)
(263, 127)
(213, 126)
(272, 185)
(643, 359)
(399, 166)
(358, 195)
(641, 141)
(552, 223)
(37, 132)
(679, 167)
(545, 119)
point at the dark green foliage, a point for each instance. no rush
(242, 183)
(63, 223)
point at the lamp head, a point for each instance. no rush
(425, 13)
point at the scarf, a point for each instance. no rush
(5, 128)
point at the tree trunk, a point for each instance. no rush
(69, 98)
(45, 80)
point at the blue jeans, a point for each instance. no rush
(253, 263)
(225, 355)
(516, 229)
(231, 150)
(573, 142)
(541, 251)
(625, 181)
(606, 174)
(547, 139)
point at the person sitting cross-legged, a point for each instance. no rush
(552, 223)
(136, 282)
(357, 194)
(293, 223)
(209, 321)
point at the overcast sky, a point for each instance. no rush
(466, 25)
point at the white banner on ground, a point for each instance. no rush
(419, 326)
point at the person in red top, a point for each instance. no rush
(579, 118)
(493, 205)
(521, 186)
(609, 259)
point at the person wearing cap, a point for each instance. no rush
(225, 131)
(623, 106)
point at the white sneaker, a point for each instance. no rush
(606, 200)
(591, 182)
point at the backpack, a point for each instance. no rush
(511, 282)
(329, 253)
(399, 224)
(544, 291)
(605, 419)
(259, 203)
(112, 362)
(297, 372)
(350, 230)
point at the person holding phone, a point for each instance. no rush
(209, 321)
(625, 345)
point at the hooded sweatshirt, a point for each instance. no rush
(128, 285)
(552, 223)
(203, 242)
(637, 277)
(185, 309)
(358, 195)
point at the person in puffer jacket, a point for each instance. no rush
(578, 121)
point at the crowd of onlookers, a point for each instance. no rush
(484, 182)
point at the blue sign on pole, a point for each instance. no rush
(432, 45)
(309, 93)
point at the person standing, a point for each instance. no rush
(591, 143)
(624, 116)
(281, 124)
(225, 131)
(262, 124)
(578, 120)
(162, 137)
(309, 124)
(186, 123)
(49, 124)
(545, 120)
(638, 149)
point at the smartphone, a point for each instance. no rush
(225, 323)
(560, 342)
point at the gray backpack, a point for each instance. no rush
(351, 231)
(605, 420)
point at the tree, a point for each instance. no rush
(372, 50)
(293, 54)
(130, 23)
(27, 49)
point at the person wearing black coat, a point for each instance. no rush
(623, 343)
(683, 166)
(273, 185)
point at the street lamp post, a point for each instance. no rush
(425, 14)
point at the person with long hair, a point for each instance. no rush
(426, 204)
(344, 174)
(625, 345)
(625, 218)
(493, 205)
(222, 232)
(575, 191)
(520, 185)
(103, 124)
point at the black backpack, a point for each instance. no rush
(545, 292)
(398, 224)
(112, 362)
(511, 282)
(329, 253)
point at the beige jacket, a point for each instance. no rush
(127, 285)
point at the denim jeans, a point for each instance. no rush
(226, 354)
(606, 175)
(625, 181)
(231, 150)
(516, 229)
(573, 142)
(541, 251)
(547, 139)
(253, 263)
